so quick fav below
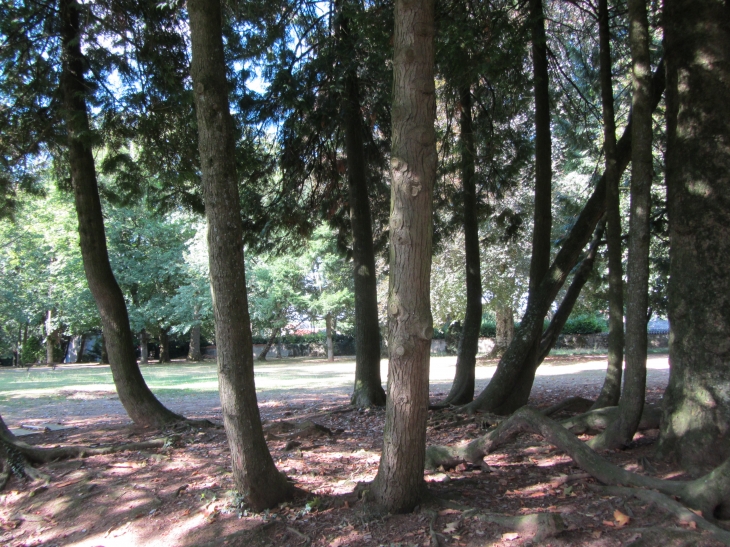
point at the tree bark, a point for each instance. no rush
(254, 473)
(194, 350)
(135, 396)
(631, 404)
(164, 356)
(513, 361)
(696, 426)
(330, 342)
(550, 336)
(518, 394)
(462, 390)
(368, 390)
(612, 385)
(269, 344)
(50, 337)
(80, 351)
(399, 483)
(104, 357)
(505, 329)
(144, 352)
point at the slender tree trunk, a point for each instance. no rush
(621, 431)
(104, 357)
(18, 348)
(254, 473)
(399, 483)
(164, 356)
(542, 220)
(50, 337)
(194, 351)
(135, 396)
(269, 344)
(330, 342)
(696, 427)
(462, 390)
(80, 351)
(531, 326)
(368, 389)
(144, 353)
(550, 336)
(611, 388)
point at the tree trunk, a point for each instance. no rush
(269, 344)
(144, 353)
(138, 400)
(330, 342)
(513, 360)
(519, 393)
(399, 483)
(164, 356)
(254, 473)
(50, 337)
(368, 389)
(194, 350)
(80, 351)
(462, 390)
(104, 357)
(696, 426)
(550, 336)
(613, 218)
(631, 404)
(505, 329)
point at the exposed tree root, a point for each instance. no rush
(709, 494)
(599, 419)
(571, 404)
(684, 515)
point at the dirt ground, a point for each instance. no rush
(182, 494)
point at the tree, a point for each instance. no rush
(621, 431)
(696, 423)
(138, 400)
(254, 472)
(399, 483)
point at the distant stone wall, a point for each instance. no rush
(439, 347)
(600, 341)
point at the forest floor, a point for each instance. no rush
(182, 494)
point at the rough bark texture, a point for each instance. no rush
(631, 404)
(194, 350)
(512, 362)
(612, 383)
(368, 389)
(550, 336)
(399, 483)
(709, 494)
(462, 390)
(254, 472)
(138, 400)
(543, 220)
(505, 329)
(696, 427)
(144, 351)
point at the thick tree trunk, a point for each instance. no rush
(254, 473)
(518, 394)
(505, 331)
(330, 341)
(144, 353)
(550, 336)
(513, 361)
(269, 344)
(631, 404)
(368, 390)
(399, 483)
(164, 356)
(138, 400)
(611, 389)
(696, 425)
(194, 350)
(462, 390)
